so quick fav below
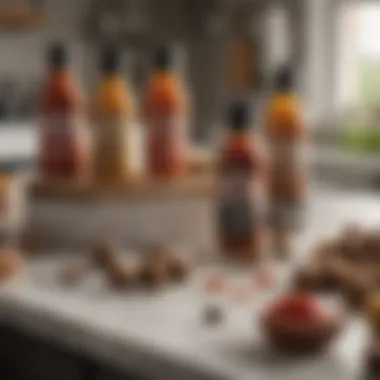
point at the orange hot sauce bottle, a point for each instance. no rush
(166, 115)
(63, 150)
(287, 174)
(114, 126)
(239, 206)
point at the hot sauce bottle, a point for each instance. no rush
(115, 133)
(240, 218)
(64, 150)
(166, 113)
(287, 174)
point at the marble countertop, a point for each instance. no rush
(161, 335)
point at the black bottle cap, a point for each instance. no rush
(110, 60)
(163, 57)
(284, 80)
(239, 116)
(57, 55)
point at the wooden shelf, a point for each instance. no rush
(196, 185)
(20, 19)
(199, 181)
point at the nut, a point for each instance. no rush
(178, 267)
(105, 255)
(122, 275)
(154, 274)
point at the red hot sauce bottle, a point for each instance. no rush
(240, 219)
(166, 109)
(63, 152)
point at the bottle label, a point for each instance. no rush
(117, 146)
(287, 168)
(239, 205)
(167, 140)
(287, 154)
(63, 136)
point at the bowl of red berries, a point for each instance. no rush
(301, 323)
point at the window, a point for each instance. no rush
(358, 75)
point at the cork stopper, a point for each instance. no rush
(239, 116)
(163, 57)
(110, 60)
(57, 55)
(284, 79)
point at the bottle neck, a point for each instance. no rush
(111, 75)
(239, 135)
(59, 74)
(163, 72)
(285, 92)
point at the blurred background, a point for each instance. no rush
(229, 47)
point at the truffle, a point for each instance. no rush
(105, 255)
(352, 242)
(122, 275)
(178, 267)
(157, 253)
(356, 286)
(154, 274)
(309, 278)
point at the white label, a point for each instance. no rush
(287, 158)
(61, 134)
(117, 141)
(168, 134)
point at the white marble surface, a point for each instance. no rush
(17, 141)
(162, 336)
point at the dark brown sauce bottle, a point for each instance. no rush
(239, 210)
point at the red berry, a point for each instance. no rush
(295, 306)
(241, 295)
(265, 279)
(215, 284)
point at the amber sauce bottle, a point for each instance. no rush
(239, 205)
(63, 149)
(287, 174)
(114, 124)
(166, 115)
